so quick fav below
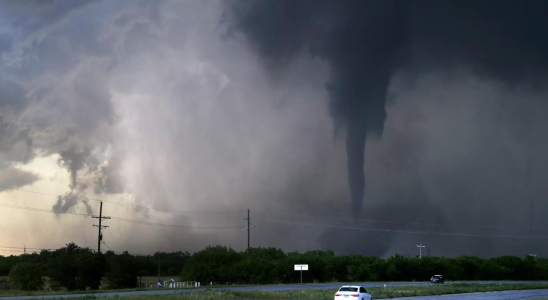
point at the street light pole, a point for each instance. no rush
(420, 250)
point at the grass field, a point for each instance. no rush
(144, 280)
(327, 294)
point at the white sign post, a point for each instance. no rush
(301, 268)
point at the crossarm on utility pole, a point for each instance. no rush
(100, 227)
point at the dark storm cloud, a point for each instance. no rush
(15, 143)
(50, 99)
(366, 42)
(146, 103)
(5, 43)
(11, 177)
(32, 16)
(12, 95)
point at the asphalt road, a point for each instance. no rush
(527, 294)
(507, 295)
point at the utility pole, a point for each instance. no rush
(248, 233)
(100, 227)
(420, 250)
(158, 267)
(25, 250)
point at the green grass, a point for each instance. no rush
(327, 294)
(147, 280)
(16, 293)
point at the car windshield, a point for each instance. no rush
(348, 289)
(437, 276)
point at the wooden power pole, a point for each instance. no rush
(100, 227)
(248, 233)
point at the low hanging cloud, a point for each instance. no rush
(12, 177)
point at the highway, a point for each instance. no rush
(506, 295)
(525, 294)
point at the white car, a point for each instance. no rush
(350, 292)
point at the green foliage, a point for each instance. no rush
(75, 268)
(269, 266)
(91, 267)
(214, 264)
(27, 276)
(122, 270)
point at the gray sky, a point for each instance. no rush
(166, 104)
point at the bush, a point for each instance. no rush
(27, 276)
(55, 286)
(5, 285)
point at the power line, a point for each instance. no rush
(406, 223)
(145, 246)
(7, 205)
(117, 219)
(23, 248)
(238, 235)
(109, 248)
(296, 215)
(130, 205)
(22, 251)
(37, 248)
(173, 226)
(122, 252)
(279, 222)
(407, 231)
(178, 211)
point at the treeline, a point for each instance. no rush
(268, 265)
(75, 268)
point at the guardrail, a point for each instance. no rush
(173, 285)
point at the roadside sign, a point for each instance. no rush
(301, 268)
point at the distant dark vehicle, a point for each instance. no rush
(437, 279)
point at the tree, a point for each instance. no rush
(123, 271)
(62, 267)
(213, 264)
(27, 276)
(91, 267)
